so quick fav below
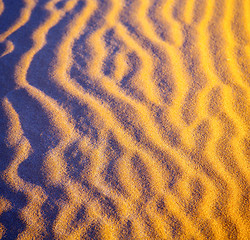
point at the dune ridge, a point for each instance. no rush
(124, 119)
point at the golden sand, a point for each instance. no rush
(124, 119)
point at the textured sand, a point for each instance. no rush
(124, 119)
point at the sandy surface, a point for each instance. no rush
(124, 119)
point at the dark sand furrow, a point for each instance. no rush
(241, 38)
(163, 80)
(162, 28)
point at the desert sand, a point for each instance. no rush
(124, 119)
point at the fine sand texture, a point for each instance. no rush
(124, 119)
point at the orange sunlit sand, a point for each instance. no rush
(124, 119)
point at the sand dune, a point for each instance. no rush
(124, 119)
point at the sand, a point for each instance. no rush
(124, 119)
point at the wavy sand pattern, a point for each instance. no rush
(124, 119)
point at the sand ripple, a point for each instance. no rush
(124, 119)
